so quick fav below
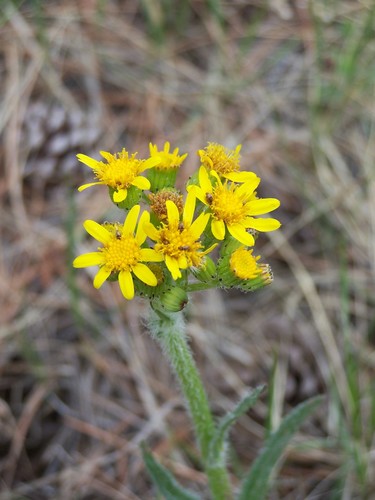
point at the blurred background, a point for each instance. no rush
(81, 382)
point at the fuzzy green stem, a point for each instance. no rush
(169, 331)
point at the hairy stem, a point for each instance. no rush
(169, 330)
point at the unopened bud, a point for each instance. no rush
(159, 199)
(206, 272)
(175, 299)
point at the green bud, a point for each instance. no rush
(228, 278)
(174, 300)
(206, 272)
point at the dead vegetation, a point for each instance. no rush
(81, 383)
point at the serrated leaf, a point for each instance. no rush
(217, 444)
(256, 483)
(164, 480)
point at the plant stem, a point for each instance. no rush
(169, 330)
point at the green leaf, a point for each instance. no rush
(163, 479)
(256, 483)
(217, 445)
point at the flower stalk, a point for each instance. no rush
(169, 330)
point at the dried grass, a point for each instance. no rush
(82, 385)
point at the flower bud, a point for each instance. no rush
(241, 270)
(158, 202)
(206, 272)
(175, 299)
(164, 173)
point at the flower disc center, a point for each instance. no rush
(122, 253)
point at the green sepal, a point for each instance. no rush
(217, 445)
(161, 179)
(164, 480)
(257, 481)
(254, 284)
(228, 246)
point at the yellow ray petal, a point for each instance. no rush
(248, 187)
(241, 176)
(240, 234)
(204, 180)
(141, 182)
(120, 195)
(151, 231)
(209, 249)
(126, 283)
(189, 208)
(150, 255)
(199, 225)
(197, 192)
(182, 261)
(216, 175)
(140, 234)
(90, 162)
(97, 231)
(262, 206)
(172, 265)
(218, 229)
(100, 277)
(145, 274)
(85, 186)
(172, 210)
(263, 225)
(108, 156)
(151, 162)
(131, 220)
(88, 259)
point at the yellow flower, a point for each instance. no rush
(121, 252)
(233, 206)
(225, 162)
(167, 160)
(165, 172)
(240, 269)
(178, 240)
(119, 173)
(244, 265)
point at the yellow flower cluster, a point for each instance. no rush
(163, 252)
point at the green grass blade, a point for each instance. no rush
(163, 479)
(217, 445)
(256, 483)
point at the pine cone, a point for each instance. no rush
(51, 138)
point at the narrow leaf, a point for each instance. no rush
(256, 483)
(163, 479)
(217, 444)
